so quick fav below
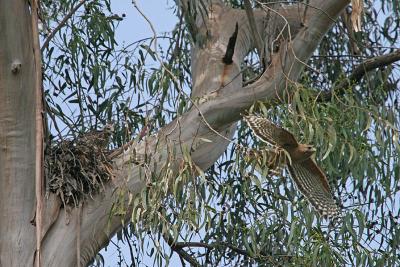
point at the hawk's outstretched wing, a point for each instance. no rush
(269, 132)
(313, 184)
(308, 177)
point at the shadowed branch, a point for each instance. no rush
(358, 73)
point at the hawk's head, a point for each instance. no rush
(306, 150)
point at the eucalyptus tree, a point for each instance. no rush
(146, 141)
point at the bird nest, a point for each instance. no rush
(78, 169)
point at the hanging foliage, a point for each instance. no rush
(243, 210)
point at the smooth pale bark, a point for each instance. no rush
(17, 135)
(219, 98)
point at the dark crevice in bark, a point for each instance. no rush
(230, 49)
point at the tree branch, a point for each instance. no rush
(61, 24)
(358, 73)
(219, 110)
(255, 34)
(215, 245)
(206, 61)
(191, 9)
(286, 66)
(374, 63)
(180, 251)
(211, 246)
(191, 24)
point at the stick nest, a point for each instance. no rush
(77, 169)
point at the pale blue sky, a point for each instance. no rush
(134, 27)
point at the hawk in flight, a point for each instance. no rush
(306, 174)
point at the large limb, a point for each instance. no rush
(209, 72)
(221, 99)
(285, 68)
(195, 13)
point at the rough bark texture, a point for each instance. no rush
(219, 98)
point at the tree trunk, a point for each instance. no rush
(219, 98)
(17, 135)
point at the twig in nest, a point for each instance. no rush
(77, 169)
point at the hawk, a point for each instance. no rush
(308, 177)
